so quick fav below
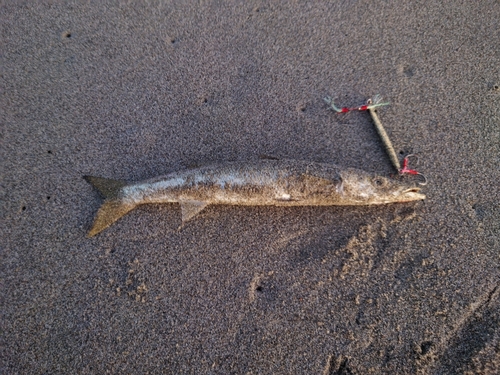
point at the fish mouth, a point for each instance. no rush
(412, 194)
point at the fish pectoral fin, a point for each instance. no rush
(191, 208)
(314, 180)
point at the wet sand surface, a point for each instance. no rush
(135, 91)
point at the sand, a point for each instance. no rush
(132, 91)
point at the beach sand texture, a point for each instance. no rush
(133, 91)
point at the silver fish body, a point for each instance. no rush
(262, 182)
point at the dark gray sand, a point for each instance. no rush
(134, 91)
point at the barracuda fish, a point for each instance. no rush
(262, 182)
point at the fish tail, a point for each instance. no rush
(113, 207)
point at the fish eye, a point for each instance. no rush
(379, 181)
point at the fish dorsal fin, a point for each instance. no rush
(268, 157)
(190, 209)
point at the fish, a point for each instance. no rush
(266, 182)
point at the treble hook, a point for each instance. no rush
(406, 170)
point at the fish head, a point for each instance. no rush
(358, 187)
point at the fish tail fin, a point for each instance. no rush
(106, 186)
(113, 207)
